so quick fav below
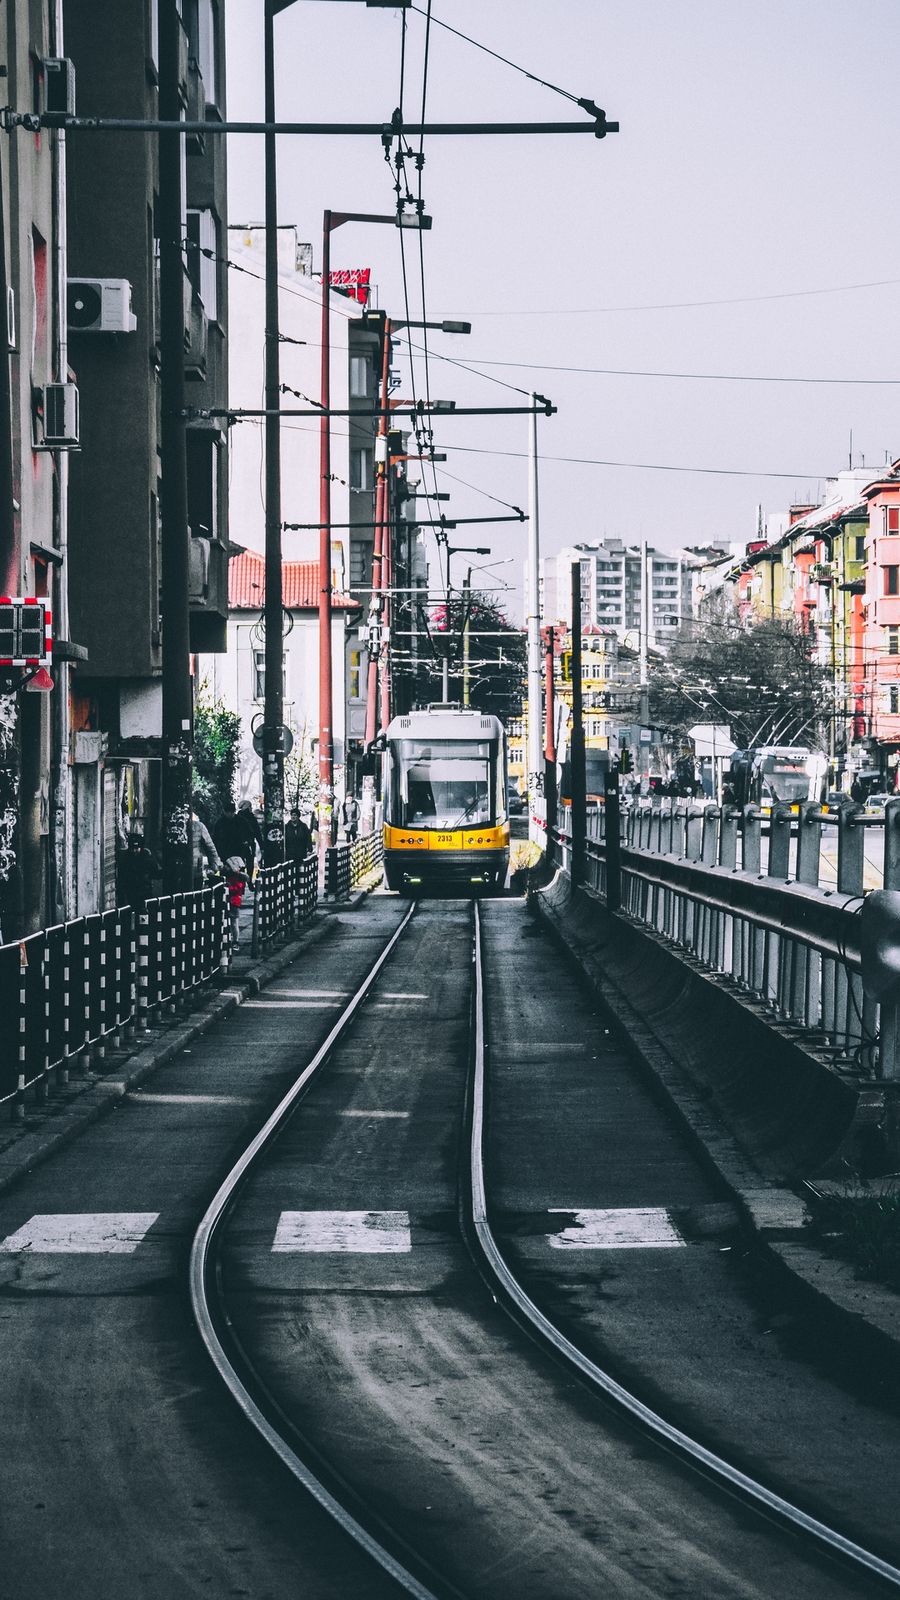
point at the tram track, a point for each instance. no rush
(527, 1313)
(394, 1554)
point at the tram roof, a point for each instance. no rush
(445, 722)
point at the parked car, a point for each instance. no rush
(514, 800)
(876, 803)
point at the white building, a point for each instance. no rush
(238, 678)
(611, 589)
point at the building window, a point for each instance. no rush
(892, 641)
(259, 676)
(355, 656)
(208, 49)
(360, 469)
(359, 377)
(894, 699)
(891, 576)
(891, 515)
(860, 547)
(201, 253)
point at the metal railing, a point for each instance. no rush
(347, 864)
(284, 897)
(699, 879)
(68, 993)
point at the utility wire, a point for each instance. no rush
(629, 372)
(688, 305)
(532, 76)
(640, 466)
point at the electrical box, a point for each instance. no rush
(25, 632)
(59, 85)
(61, 416)
(99, 305)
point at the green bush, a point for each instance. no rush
(217, 734)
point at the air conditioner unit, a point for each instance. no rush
(59, 85)
(61, 420)
(99, 305)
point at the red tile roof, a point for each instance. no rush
(300, 579)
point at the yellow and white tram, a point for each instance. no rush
(445, 801)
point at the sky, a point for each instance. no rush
(740, 226)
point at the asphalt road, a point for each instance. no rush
(372, 1330)
(129, 1475)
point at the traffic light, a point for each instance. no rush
(626, 762)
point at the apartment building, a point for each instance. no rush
(611, 577)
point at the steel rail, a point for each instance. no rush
(711, 1465)
(203, 1278)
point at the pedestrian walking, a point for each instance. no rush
(206, 858)
(297, 838)
(135, 871)
(236, 883)
(250, 837)
(228, 833)
(350, 816)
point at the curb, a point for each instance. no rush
(91, 1100)
(866, 1311)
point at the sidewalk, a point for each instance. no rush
(92, 1092)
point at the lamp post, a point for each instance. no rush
(331, 221)
(273, 712)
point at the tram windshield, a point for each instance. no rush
(784, 778)
(444, 785)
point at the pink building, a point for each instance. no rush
(881, 605)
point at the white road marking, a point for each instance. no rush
(190, 1099)
(310, 994)
(632, 1228)
(292, 1005)
(343, 1232)
(88, 1233)
(374, 1113)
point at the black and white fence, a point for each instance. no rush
(72, 991)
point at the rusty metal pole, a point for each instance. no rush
(576, 744)
(387, 578)
(326, 700)
(376, 606)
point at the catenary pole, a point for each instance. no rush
(273, 703)
(576, 742)
(177, 717)
(376, 604)
(326, 745)
(533, 634)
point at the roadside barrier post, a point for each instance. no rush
(613, 820)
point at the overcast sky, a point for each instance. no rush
(754, 167)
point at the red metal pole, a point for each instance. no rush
(387, 578)
(381, 507)
(326, 745)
